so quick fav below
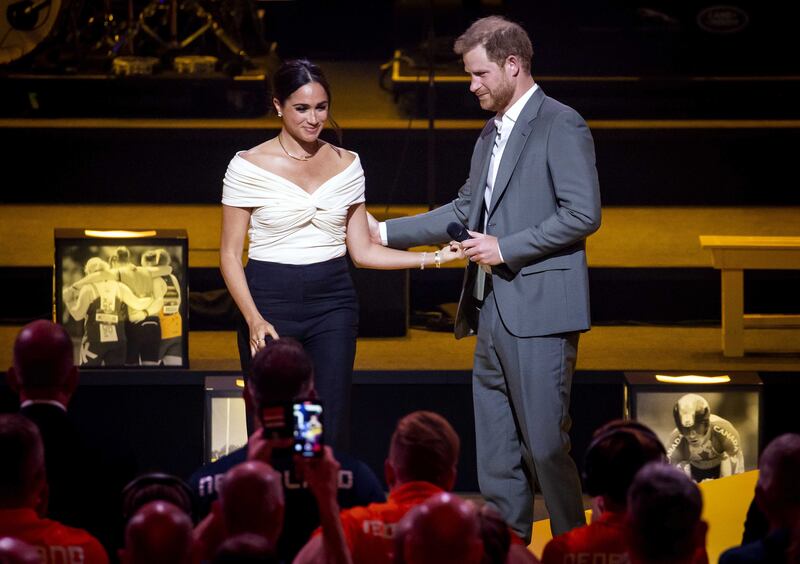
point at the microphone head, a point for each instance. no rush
(457, 231)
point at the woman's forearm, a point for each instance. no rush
(370, 255)
(233, 274)
(366, 254)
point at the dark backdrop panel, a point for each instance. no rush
(636, 166)
(691, 37)
(155, 420)
(380, 399)
(780, 393)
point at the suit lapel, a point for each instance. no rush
(515, 145)
(479, 184)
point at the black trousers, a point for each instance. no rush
(317, 305)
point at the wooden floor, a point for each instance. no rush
(603, 348)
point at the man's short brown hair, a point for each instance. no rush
(281, 370)
(500, 37)
(424, 448)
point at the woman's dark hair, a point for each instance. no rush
(293, 74)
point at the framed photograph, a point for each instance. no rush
(226, 419)
(123, 296)
(710, 424)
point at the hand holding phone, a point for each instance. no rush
(321, 473)
(307, 428)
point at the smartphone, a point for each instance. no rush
(308, 436)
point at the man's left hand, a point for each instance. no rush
(321, 474)
(482, 249)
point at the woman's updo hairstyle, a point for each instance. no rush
(293, 74)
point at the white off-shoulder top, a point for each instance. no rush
(287, 224)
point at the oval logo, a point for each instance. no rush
(722, 19)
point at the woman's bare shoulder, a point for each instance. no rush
(263, 155)
(346, 157)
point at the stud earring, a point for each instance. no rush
(280, 114)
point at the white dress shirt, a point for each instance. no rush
(504, 124)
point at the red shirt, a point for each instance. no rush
(604, 539)
(601, 541)
(369, 530)
(56, 543)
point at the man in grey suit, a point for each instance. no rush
(529, 203)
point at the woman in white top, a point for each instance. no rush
(300, 200)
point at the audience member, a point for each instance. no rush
(159, 533)
(756, 526)
(618, 450)
(498, 547)
(246, 548)
(778, 497)
(23, 498)
(45, 377)
(423, 454)
(281, 372)
(664, 525)
(793, 552)
(443, 529)
(14, 551)
(495, 535)
(251, 500)
(155, 486)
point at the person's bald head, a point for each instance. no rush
(443, 529)
(251, 498)
(14, 551)
(43, 367)
(23, 480)
(159, 533)
(246, 548)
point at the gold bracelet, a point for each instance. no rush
(437, 259)
(422, 263)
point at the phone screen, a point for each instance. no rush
(307, 428)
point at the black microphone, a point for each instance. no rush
(458, 232)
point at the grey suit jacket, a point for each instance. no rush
(545, 202)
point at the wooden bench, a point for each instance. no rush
(733, 255)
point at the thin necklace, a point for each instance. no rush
(288, 154)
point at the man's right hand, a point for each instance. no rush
(374, 230)
(260, 448)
